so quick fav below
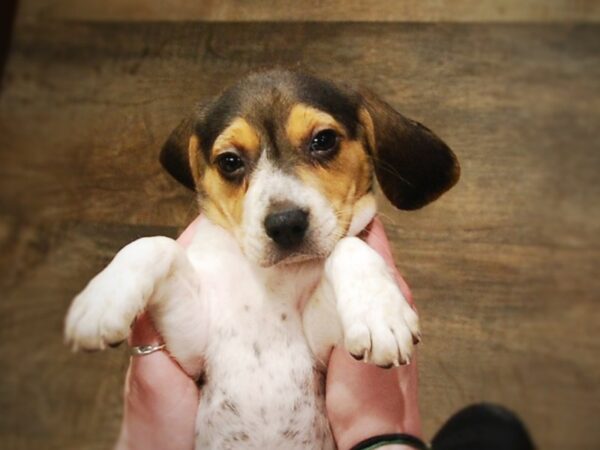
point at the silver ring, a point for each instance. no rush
(143, 350)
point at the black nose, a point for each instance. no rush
(287, 228)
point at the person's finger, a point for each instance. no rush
(152, 377)
(160, 399)
(143, 332)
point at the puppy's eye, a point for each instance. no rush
(230, 164)
(323, 142)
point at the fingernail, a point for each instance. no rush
(357, 357)
(366, 356)
(387, 366)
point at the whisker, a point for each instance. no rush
(390, 169)
(386, 216)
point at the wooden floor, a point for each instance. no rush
(504, 268)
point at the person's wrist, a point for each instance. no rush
(392, 440)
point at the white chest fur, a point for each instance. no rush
(261, 384)
(262, 388)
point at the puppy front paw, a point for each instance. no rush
(380, 327)
(103, 312)
(379, 324)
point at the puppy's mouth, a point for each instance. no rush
(315, 246)
(307, 252)
(296, 258)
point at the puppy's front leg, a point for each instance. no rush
(378, 323)
(150, 273)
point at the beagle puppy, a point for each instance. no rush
(283, 165)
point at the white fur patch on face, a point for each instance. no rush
(270, 185)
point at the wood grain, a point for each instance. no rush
(315, 10)
(503, 268)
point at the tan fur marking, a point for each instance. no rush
(222, 201)
(240, 135)
(343, 181)
(193, 154)
(367, 122)
(304, 120)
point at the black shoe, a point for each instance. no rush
(483, 427)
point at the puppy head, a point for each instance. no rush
(285, 161)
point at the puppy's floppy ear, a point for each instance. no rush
(413, 166)
(175, 155)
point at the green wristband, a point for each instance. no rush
(391, 439)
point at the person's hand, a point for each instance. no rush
(363, 400)
(161, 400)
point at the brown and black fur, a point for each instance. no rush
(413, 166)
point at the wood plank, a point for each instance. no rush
(503, 267)
(52, 398)
(312, 10)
